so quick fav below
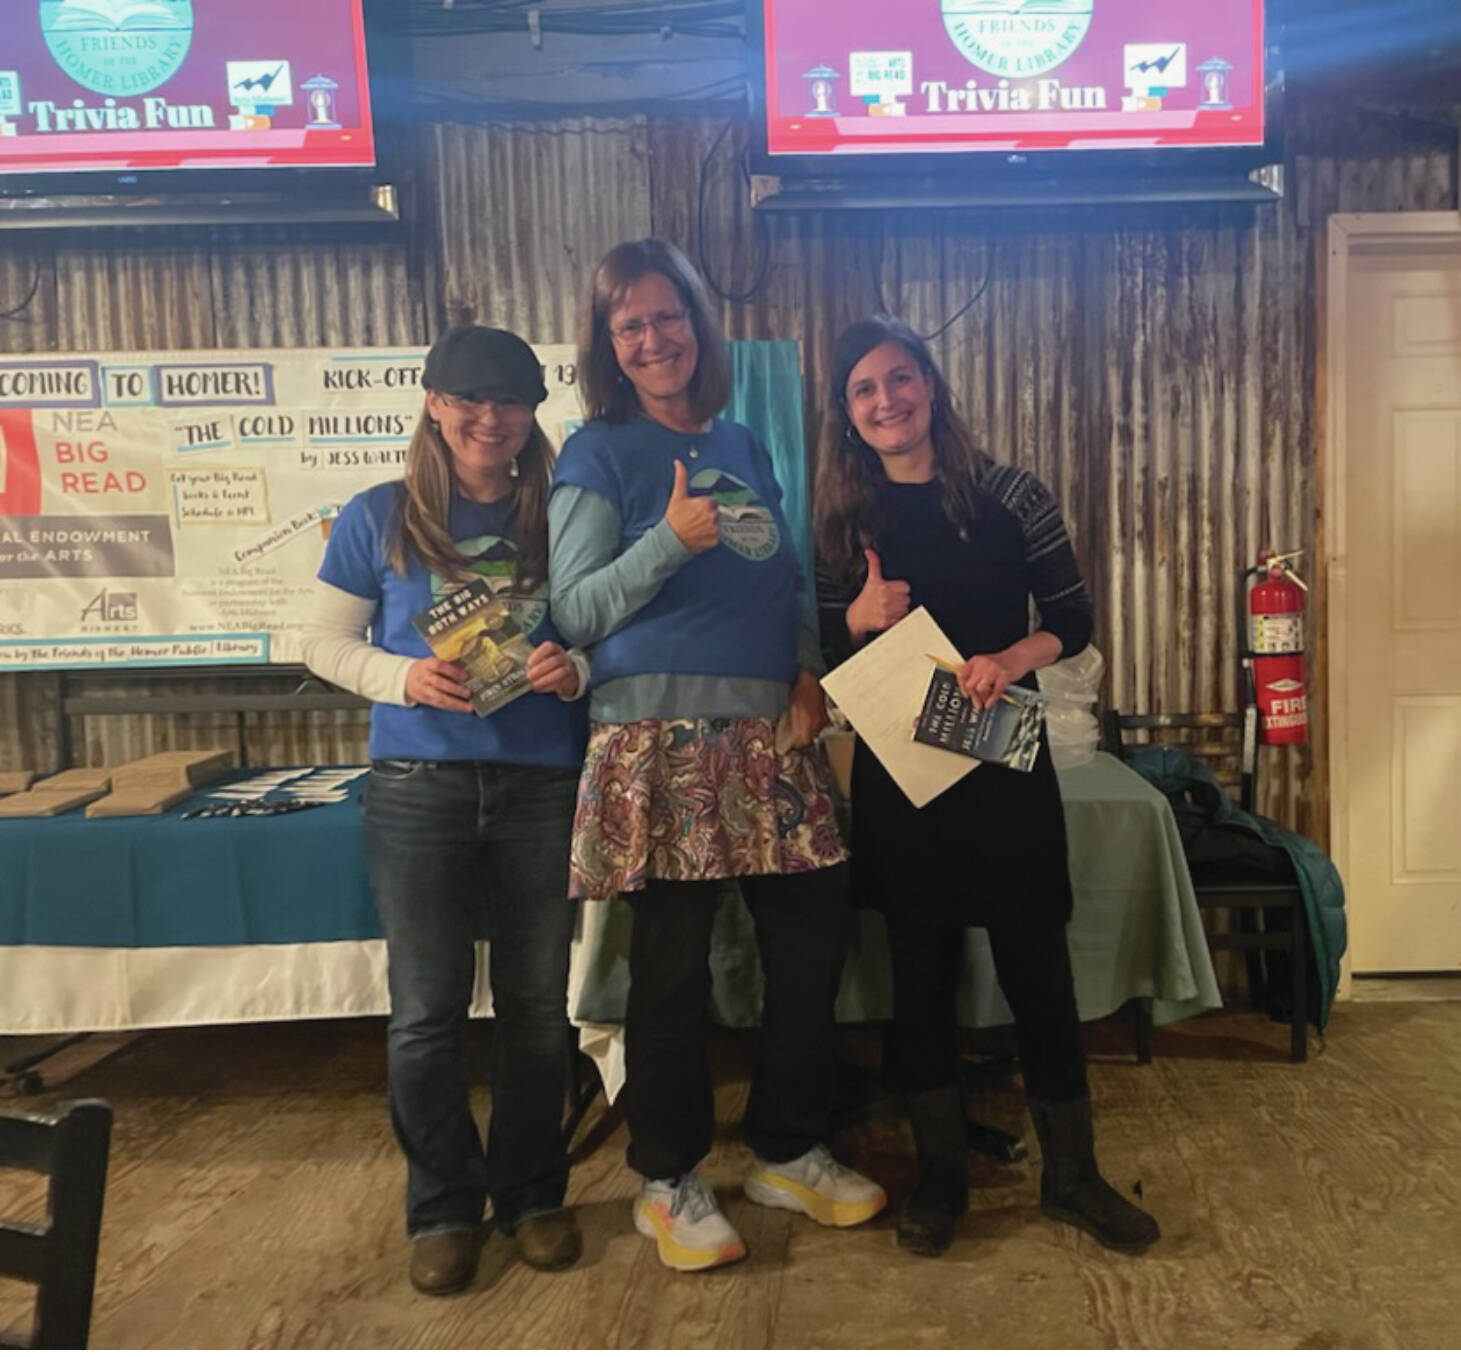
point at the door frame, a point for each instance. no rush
(1351, 234)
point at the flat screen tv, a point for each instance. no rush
(118, 97)
(999, 92)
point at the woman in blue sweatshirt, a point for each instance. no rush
(672, 564)
(467, 817)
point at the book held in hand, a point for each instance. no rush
(1008, 733)
(473, 627)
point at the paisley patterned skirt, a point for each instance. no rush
(698, 800)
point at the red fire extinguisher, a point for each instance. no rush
(1276, 649)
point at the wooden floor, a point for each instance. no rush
(255, 1194)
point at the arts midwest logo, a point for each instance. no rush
(109, 608)
(1017, 38)
(118, 47)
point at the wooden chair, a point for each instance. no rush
(1227, 743)
(58, 1256)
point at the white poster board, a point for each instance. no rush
(173, 508)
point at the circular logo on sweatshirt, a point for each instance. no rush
(747, 526)
(495, 558)
(1017, 38)
(119, 47)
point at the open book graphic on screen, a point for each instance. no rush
(118, 14)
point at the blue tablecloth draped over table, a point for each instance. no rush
(163, 881)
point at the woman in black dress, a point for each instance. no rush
(910, 513)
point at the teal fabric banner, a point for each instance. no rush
(766, 396)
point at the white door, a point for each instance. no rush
(1401, 684)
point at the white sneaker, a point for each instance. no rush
(818, 1186)
(686, 1224)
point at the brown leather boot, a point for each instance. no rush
(549, 1242)
(443, 1263)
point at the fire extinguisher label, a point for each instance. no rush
(1286, 709)
(1277, 633)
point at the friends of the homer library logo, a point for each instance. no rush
(495, 559)
(117, 47)
(746, 525)
(110, 606)
(1017, 38)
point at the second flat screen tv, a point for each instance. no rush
(1013, 77)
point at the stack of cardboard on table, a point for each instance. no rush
(143, 787)
(60, 793)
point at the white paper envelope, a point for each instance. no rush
(881, 691)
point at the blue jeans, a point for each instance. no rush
(459, 851)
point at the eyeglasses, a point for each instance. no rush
(663, 322)
(477, 402)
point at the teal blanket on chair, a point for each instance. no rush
(1177, 773)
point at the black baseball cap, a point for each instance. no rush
(475, 360)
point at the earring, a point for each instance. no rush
(512, 470)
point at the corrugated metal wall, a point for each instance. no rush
(1156, 367)
(525, 211)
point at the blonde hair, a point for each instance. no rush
(421, 524)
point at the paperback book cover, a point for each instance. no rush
(473, 627)
(1008, 733)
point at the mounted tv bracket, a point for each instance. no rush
(769, 193)
(373, 203)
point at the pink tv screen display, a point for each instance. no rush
(1012, 76)
(140, 85)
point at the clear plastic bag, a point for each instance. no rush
(1072, 687)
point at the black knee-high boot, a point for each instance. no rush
(1071, 1186)
(942, 1195)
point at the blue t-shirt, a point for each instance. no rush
(537, 728)
(731, 611)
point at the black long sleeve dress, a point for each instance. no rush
(992, 847)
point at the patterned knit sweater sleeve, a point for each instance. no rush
(1055, 577)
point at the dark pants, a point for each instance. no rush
(801, 928)
(1033, 967)
(459, 851)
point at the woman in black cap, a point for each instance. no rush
(467, 817)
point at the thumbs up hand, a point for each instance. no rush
(694, 518)
(881, 603)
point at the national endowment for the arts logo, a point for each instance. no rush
(121, 47)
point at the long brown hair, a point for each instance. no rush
(421, 528)
(607, 393)
(849, 471)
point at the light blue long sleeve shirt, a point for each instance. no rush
(596, 589)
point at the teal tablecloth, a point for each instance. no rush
(163, 881)
(1135, 930)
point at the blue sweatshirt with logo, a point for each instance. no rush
(536, 728)
(669, 633)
